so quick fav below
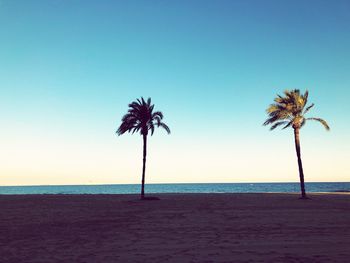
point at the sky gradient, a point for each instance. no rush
(68, 70)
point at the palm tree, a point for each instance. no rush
(141, 118)
(289, 111)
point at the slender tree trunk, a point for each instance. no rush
(144, 166)
(300, 164)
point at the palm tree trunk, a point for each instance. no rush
(144, 166)
(300, 164)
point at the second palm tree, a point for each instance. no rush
(289, 111)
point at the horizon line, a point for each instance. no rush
(171, 183)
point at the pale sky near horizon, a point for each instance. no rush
(68, 70)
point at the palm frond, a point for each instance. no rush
(288, 125)
(278, 124)
(306, 95)
(149, 102)
(164, 126)
(135, 129)
(323, 122)
(157, 114)
(151, 127)
(308, 108)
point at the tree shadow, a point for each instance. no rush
(150, 198)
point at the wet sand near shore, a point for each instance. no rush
(267, 227)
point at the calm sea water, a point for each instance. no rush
(176, 188)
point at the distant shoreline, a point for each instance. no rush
(179, 188)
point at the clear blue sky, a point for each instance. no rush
(68, 69)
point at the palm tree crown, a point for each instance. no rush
(140, 117)
(290, 110)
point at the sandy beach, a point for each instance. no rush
(177, 228)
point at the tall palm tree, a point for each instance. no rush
(141, 118)
(290, 110)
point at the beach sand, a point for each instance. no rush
(177, 228)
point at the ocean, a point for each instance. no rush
(176, 188)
